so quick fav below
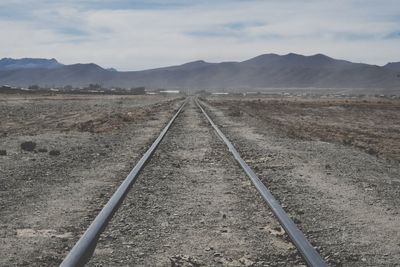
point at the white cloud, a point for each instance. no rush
(138, 34)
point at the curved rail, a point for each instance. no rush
(308, 252)
(84, 248)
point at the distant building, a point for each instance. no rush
(169, 92)
(220, 93)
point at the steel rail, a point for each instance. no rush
(308, 252)
(84, 248)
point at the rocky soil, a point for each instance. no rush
(193, 206)
(61, 159)
(332, 163)
(343, 195)
(370, 124)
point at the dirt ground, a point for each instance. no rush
(371, 124)
(62, 156)
(332, 163)
(193, 206)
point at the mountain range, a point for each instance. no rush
(262, 73)
(28, 63)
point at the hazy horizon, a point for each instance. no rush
(178, 64)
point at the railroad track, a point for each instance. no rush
(84, 248)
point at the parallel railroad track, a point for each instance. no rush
(84, 248)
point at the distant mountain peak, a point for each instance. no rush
(291, 58)
(393, 66)
(293, 55)
(198, 61)
(195, 63)
(320, 55)
(28, 59)
(85, 67)
(315, 56)
(28, 63)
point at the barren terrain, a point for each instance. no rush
(193, 206)
(332, 163)
(371, 124)
(64, 155)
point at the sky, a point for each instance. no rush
(143, 34)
